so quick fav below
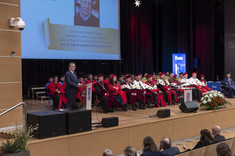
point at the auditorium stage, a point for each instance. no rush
(133, 127)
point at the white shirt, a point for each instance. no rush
(186, 82)
(194, 81)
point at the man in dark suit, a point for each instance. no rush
(72, 85)
(85, 17)
(229, 87)
(216, 133)
(165, 145)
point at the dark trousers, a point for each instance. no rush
(71, 99)
(56, 100)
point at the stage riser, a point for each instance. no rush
(117, 138)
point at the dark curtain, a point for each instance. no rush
(138, 36)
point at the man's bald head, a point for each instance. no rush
(216, 130)
(165, 143)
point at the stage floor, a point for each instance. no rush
(125, 118)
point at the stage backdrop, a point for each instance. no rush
(149, 35)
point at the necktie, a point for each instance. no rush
(74, 76)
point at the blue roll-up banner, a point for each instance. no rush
(179, 63)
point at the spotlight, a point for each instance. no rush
(137, 3)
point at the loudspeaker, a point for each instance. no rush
(164, 113)
(188, 107)
(110, 122)
(78, 121)
(49, 123)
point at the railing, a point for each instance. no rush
(24, 112)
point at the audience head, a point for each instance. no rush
(181, 74)
(113, 79)
(100, 77)
(202, 77)
(128, 78)
(50, 79)
(55, 78)
(162, 75)
(62, 78)
(228, 74)
(149, 144)
(80, 78)
(120, 79)
(145, 74)
(95, 77)
(171, 75)
(130, 151)
(138, 76)
(149, 77)
(216, 130)
(206, 137)
(223, 150)
(108, 152)
(72, 66)
(165, 143)
(167, 73)
(132, 76)
(90, 77)
(194, 75)
(185, 75)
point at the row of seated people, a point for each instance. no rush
(166, 149)
(157, 90)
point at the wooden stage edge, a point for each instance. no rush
(179, 126)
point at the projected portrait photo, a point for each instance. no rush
(87, 13)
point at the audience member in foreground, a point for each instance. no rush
(223, 150)
(108, 152)
(216, 133)
(130, 151)
(205, 139)
(165, 145)
(150, 148)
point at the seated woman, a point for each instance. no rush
(117, 92)
(57, 93)
(205, 139)
(204, 83)
(150, 148)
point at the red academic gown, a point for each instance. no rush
(117, 90)
(52, 87)
(159, 95)
(101, 89)
(168, 90)
(133, 98)
(205, 87)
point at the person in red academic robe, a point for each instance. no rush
(107, 101)
(156, 92)
(57, 93)
(117, 92)
(204, 83)
(132, 93)
(196, 83)
(164, 85)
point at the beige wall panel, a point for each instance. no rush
(57, 147)
(94, 144)
(10, 69)
(12, 118)
(10, 41)
(6, 12)
(10, 95)
(11, 1)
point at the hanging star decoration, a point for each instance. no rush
(137, 3)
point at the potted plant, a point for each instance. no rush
(213, 100)
(18, 145)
